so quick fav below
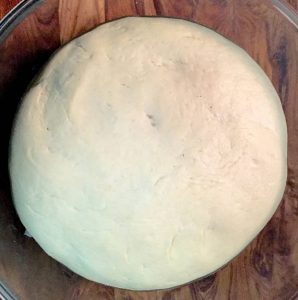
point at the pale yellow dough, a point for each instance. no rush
(149, 153)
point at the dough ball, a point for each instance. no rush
(149, 152)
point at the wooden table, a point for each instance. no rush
(268, 268)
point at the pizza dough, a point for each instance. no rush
(148, 153)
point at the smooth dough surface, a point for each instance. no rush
(148, 153)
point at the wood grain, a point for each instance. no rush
(293, 3)
(268, 268)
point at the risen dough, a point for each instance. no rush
(149, 153)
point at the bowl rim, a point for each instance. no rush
(6, 293)
(16, 15)
(286, 10)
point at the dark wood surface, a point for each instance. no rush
(293, 3)
(268, 268)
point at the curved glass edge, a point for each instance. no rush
(20, 11)
(286, 11)
(5, 293)
(15, 16)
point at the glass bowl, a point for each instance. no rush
(267, 30)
